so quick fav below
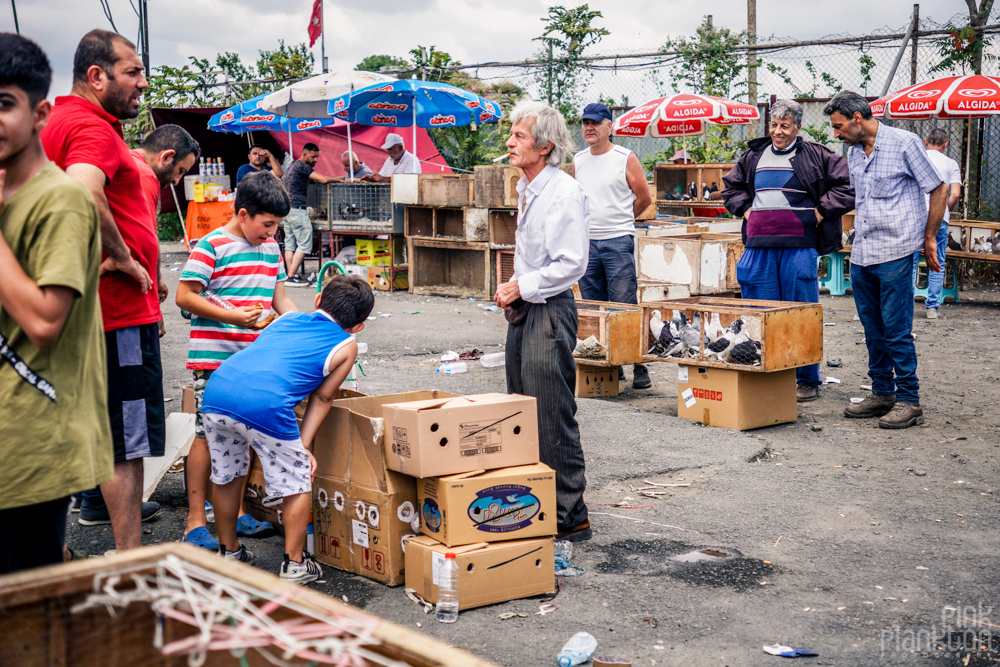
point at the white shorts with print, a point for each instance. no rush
(285, 462)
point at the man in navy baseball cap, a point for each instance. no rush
(596, 112)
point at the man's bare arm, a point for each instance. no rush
(111, 238)
(935, 216)
(275, 165)
(320, 178)
(636, 178)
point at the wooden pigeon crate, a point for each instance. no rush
(455, 224)
(454, 190)
(652, 290)
(40, 630)
(973, 231)
(706, 263)
(616, 326)
(669, 177)
(503, 227)
(496, 186)
(450, 268)
(790, 334)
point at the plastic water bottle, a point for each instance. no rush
(447, 602)
(453, 368)
(577, 650)
(215, 299)
(494, 359)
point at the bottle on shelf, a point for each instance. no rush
(201, 167)
(447, 597)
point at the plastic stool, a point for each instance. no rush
(838, 273)
(950, 287)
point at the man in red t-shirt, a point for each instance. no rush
(84, 138)
(163, 157)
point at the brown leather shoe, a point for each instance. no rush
(903, 415)
(806, 392)
(579, 533)
(873, 406)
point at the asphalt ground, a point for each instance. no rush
(863, 545)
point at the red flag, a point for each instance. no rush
(316, 22)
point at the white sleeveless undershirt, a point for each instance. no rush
(611, 199)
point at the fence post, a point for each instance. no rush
(550, 75)
(913, 55)
(752, 60)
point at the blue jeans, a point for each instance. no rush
(935, 279)
(610, 272)
(782, 274)
(883, 294)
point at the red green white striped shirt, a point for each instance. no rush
(241, 273)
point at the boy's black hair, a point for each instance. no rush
(25, 65)
(311, 147)
(97, 48)
(347, 299)
(171, 138)
(262, 192)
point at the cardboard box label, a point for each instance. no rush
(476, 439)
(431, 515)
(688, 396)
(504, 508)
(400, 443)
(437, 566)
(682, 374)
(360, 533)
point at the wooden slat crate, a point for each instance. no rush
(706, 263)
(433, 189)
(505, 265)
(503, 227)
(971, 235)
(39, 630)
(450, 268)
(790, 334)
(652, 290)
(450, 223)
(675, 179)
(650, 212)
(419, 221)
(496, 186)
(617, 328)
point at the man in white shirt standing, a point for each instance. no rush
(616, 188)
(400, 161)
(947, 169)
(550, 255)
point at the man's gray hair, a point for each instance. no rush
(549, 127)
(354, 156)
(787, 109)
(847, 104)
(937, 137)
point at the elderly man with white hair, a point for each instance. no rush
(550, 255)
(793, 193)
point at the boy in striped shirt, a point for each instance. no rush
(241, 262)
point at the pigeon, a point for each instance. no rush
(996, 244)
(725, 343)
(979, 245)
(714, 330)
(746, 352)
(663, 332)
(688, 339)
(953, 244)
(715, 187)
(656, 323)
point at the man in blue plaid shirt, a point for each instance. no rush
(890, 173)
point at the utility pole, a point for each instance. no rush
(322, 40)
(144, 34)
(913, 50)
(752, 59)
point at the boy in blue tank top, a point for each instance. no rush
(250, 402)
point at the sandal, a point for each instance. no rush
(470, 356)
(200, 537)
(247, 526)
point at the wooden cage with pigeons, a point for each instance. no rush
(739, 334)
(616, 326)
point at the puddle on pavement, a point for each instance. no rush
(695, 564)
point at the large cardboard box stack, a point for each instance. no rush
(481, 494)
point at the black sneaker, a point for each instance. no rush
(295, 281)
(300, 573)
(98, 516)
(640, 377)
(241, 554)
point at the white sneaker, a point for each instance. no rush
(241, 554)
(300, 573)
(932, 313)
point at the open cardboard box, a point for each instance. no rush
(736, 399)
(487, 573)
(444, 436)
(506, 504)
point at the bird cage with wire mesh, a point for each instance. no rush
(741, 334)
(353, 207)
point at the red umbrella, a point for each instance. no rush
(682, 115)
(972, 96)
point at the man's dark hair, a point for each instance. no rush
(260, 146)
(311, 147)
(262, 192)
(347, 299)
(97, 48)
(847, 104)
(171, 138)
(937, 137)
(25, 65)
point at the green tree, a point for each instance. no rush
(567, 34)
(710, 63)
(375, 63)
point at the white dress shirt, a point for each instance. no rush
(553, 234)
(408, 164)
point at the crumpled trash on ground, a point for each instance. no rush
(590, 348)
(788, 651)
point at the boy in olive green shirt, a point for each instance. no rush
(53, 399)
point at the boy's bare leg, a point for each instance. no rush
(243, 497)
(296, 519)
(123, 496)
(198, 469)
(227, 506)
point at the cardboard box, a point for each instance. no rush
(187, 399)
(596, 381)
(378, 278)
(445, 436)
(261, 506)
(362, 510)
(374, 252)
(736, 399)
(506, 504)
(487, 573)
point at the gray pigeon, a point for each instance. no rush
(746, 352)
(725, 343)
(687, 340)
